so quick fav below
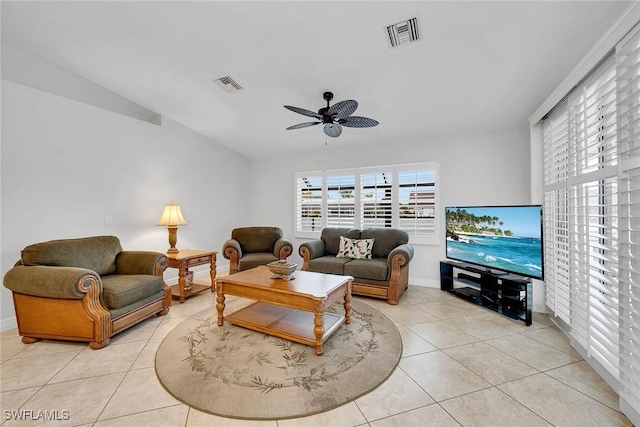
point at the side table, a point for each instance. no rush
(185, 259)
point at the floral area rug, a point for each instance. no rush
(238, 373)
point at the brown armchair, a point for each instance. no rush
(253, 246)
(85, 289)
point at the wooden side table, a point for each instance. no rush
(185, 259)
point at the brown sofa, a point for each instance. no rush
(385, 275)
(253, 246)
(85, 289)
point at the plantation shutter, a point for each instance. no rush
(376, 198)
(628, 90)
(581, 216)
(341, 200)
(593, 216)
(556, 213)
(416, 198)
(309, 201)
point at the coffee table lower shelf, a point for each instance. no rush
(283, 322)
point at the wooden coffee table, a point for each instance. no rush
(287, 309)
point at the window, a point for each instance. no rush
(400, 196)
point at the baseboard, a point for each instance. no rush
(7, 324)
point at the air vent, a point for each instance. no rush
(403, 32)
(228, 84)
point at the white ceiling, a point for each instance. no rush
(480, 65)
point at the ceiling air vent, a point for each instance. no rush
(403, 32)
(228, 84)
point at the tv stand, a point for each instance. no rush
(505, 293)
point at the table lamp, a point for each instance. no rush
(172, 218)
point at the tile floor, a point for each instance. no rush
(462, 365)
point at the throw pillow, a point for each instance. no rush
(346, 249)
(363, 248)
(353, 248)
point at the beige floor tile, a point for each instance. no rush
(397, 394)
(583, 378)
(140, 332)
(542, 318)
(491, 407)
(441, 376)
(532, 352)
(486, 326)
(447, 309)
(140, 391)
(412, 343)
(554, 337)
(409, 315)
(9, 333)
(560, 404)
(431, 416)
(192, 305)
(414, 295)
(442, 334)
(44, 347)
(12, 400)
(32, 371)
(111, 359)
(343, 416)
(165, 417)
(10, 346)
(490, 363)
(202, 419)
(167, 325)
(147, 358)
(435, 293)
(82, 400)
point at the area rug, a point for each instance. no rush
(237, 373)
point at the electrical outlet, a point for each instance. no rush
(108, 220)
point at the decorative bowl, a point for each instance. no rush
(282, 269)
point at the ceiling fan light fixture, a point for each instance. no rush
(332, 129)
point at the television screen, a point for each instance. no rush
(507, 238)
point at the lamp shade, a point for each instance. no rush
(172, 216)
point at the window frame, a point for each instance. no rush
(430, 168)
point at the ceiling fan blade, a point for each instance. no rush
(304, 112)
(303, 125)
(343, 109)
(332, 129)
(358, 122)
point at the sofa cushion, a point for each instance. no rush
(256, 239)
(94, 253)
(328, 264)
(372, 269)
(119, 290)
(331, 238)
(387, 239)
(255, 259)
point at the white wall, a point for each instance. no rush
(66, 165)
(478, 169)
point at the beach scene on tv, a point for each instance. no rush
(506, 238)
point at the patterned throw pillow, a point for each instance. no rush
(357, 249)
(363, 248)
(347, 248)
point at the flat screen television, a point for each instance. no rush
(503, 238)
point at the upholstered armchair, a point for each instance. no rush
(253, 246)
(85, 289)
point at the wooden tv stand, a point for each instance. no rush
(505, 293)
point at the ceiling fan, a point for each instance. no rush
(333, 117)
